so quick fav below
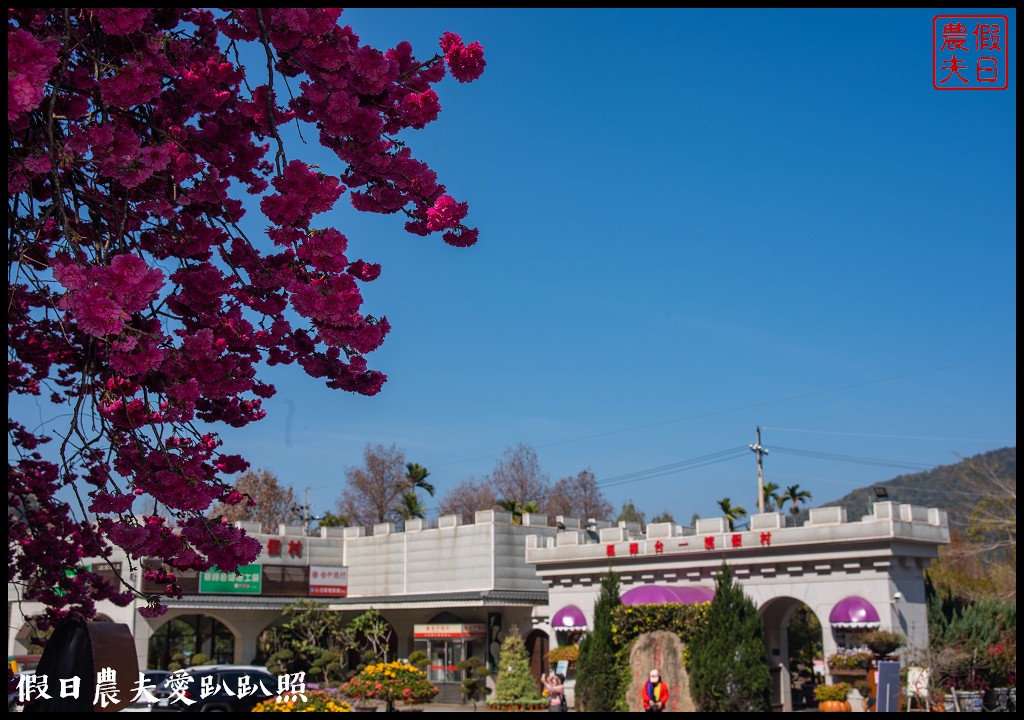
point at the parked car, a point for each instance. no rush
(220, 688)
(154, 683)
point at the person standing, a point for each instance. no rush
(555, 685)
(655, 693)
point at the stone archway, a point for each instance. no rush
(537, 644)
(183, 636)
(776, 616)
(662, 650)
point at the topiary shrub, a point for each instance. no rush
(597, 674)
(515, 684)
(726, 659)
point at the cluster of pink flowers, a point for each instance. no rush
(138, 306)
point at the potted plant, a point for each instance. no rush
(863, 689)
(832, 698)
(1001, 672)
(970, 692)
(847, 659)
(391, 682)
(884, 642)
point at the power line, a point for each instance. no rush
(682, 466)
(748, 406)
(879, 435)
(854, 459)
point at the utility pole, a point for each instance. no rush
(760, 452)
(307, 518)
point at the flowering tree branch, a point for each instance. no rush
(139, 309)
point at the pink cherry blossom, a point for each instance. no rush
(138, 307)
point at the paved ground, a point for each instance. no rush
(455, 707)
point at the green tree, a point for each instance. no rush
(631, 514)
(770, 493)
(373, 629)
(794, 496)
(309, 630)
(726, 660)
(474, 679)
(804, 631)
(515, 683)
(416, 474)
(410, 507)
(518, 509)
(732, 513)
(597, 677)
(329, 519)
(663, 517)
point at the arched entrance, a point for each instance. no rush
(179, 640)
(537, 645)
(793, 639)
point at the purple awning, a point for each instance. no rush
(855, 613)
(569, 618)
(662, 594)
(694, 595)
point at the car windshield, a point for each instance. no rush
(153, 681)
(202, 684)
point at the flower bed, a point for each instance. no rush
(316, 701)
(391, 682)
(518, 706)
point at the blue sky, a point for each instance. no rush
(692, 223)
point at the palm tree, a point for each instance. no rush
(794, 496)
(416, 474)
(518, 508)
(770, 493)
(730, 512)
(410, 507)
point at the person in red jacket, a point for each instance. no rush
(655, 693)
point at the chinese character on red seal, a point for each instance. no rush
(970, 52)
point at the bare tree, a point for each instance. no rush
(265, 501)
(373, 491)
(578, 496)
(467, 497)
(993, 520)
(517, 477)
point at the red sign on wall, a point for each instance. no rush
(327, 581)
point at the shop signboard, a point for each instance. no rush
(327, 581)
(247, 581)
